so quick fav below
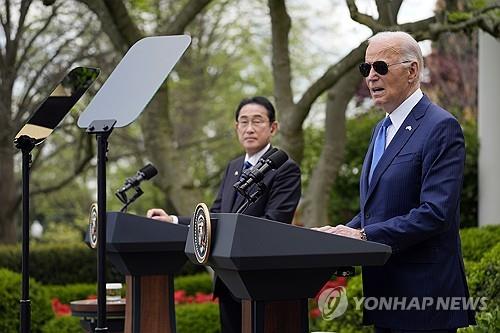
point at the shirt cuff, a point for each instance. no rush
(174, 219)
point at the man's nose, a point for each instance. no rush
(250, 128)
(373, 75)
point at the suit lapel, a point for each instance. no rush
(229, 194)
(402, 136)
(365, 170)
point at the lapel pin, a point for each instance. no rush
(408, 128)
(236, 173)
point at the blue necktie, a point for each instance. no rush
(379, 146)
(247, 165)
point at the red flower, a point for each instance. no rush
(315, 313)
(59, 308)
(180, 297)
(338, 282)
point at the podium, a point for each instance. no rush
(148, 252)
(275, 267)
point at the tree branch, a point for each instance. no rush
(328, 79)
(111, 21)
(363, 19)
(49, 19)
(185, 16)
(280, 25)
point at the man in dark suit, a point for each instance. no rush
(410, 197)
(255, 126)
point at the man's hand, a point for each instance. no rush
(340, 230)
(159, 214)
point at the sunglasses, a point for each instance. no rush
(381, 67)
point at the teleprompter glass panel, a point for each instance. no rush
(65, 95)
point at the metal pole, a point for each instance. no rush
(25, 294)
(101, 231)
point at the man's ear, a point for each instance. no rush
(413, 72)
(274, 127)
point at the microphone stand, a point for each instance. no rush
(26, 145)
(251, 198)
(122, 196)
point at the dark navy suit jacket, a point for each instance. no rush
(413, 205)
(278, 203)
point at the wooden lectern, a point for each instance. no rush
(148, 252)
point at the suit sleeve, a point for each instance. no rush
(216, 205)
(355, 222)
(443, 158)
(284, 194)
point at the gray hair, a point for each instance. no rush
(407, 46)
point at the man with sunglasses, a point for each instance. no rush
(255, 126)
(410, 198)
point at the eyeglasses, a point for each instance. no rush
(381, 67)
(256, 123)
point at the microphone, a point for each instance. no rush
(257, 173)
(147, 172)
(258, 165)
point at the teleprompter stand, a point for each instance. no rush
(121, 99)
(101, 129)
(26, 145)
(38, 127)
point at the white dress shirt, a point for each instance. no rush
(399, 115)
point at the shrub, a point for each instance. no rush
(197, 318)
(351, 320)
(477, 241)
(194, 283)
(63, 324)
(483, 277)
(483, 281)
(10, 293)
(72, 292)
(73, 262)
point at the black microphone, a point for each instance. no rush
(147, 172)
(257, 173)
(258, 165)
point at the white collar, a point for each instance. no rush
(256, 157)
(399, 115)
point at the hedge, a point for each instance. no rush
(351, 320)
(192, 284)
(71, 292)
(58, 263)
(10, 294)
(63, 324)
(477, 241)
(197, 318)
(66, 263)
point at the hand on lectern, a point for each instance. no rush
(341, 230)
(160, 215)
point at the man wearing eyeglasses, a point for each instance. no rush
(410, 198)
(255, 126)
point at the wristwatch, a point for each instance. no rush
(362, 234)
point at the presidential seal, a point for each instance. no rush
(93, 225)
(202, 233)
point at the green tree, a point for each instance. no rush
(37, 47)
